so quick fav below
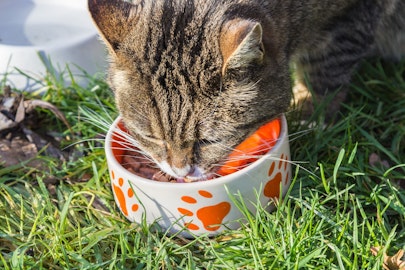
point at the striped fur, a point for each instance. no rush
(193, 78)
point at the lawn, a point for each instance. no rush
(346, 197)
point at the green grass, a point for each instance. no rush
(338, 206)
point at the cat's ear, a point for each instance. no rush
(241, 43)
(113, 19)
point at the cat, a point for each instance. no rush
(193, 78)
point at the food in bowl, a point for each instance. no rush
(201, 207)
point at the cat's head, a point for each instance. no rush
(191, 80)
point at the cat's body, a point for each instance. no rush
(193, 78)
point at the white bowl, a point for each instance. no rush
(60, 32)
(197, 208)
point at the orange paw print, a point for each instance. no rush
(211, 216)
(121, 196)
(278, 173)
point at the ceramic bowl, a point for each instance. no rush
(196, 208)
(40, 34)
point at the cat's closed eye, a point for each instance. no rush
(152, 138)
(205, 142)
(147, 137)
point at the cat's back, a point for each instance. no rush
(390, 36)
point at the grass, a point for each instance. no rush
(339, 205)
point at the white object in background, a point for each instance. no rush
(36, 35)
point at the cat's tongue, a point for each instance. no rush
(251, 149)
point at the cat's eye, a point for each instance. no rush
(153, 139)
(205, 142)
(149, 137)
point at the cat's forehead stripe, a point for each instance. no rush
(172, 28)
(177, 48)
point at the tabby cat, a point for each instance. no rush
(193, 78)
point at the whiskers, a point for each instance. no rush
(241, 164)
(121, 139)
(295, 136)
(101, 121)
(130, 153)
(240, 159)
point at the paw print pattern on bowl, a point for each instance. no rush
(122, 197)
(279, 174)
(210, 216)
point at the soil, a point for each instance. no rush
(26, 133)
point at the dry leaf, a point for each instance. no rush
(375, 160)
(396, 262)
(20, 114)
(227, 238)
(30, 105)
(14, 109)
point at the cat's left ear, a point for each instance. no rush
(113, 20)
(241, 43)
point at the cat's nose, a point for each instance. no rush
(183, 171)
(191, 172)
(196, 173)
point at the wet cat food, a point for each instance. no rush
(138, 164)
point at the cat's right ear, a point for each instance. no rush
(113, 20)
(241, 43)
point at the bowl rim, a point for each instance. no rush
(219, 181)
